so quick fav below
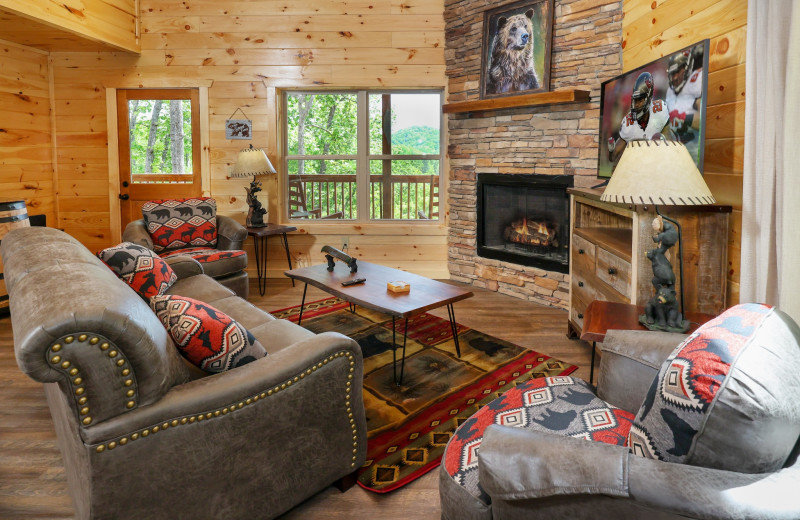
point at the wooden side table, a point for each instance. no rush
(602, 316)
(260, 235)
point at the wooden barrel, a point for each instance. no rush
(13, 214)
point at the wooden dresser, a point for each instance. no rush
(608, 254)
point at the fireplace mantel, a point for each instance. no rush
(557, 97)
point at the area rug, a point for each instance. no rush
(408, 426)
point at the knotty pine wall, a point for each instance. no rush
(245, 52)
(26, 154)
(652, 29)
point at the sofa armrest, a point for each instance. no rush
(184, 266)
(518, 464)
(230, 234)
(630, 361)
(697, 492)
(136, 232)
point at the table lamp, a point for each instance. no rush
(660, 172)
(253, 161)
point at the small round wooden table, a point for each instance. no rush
(260, 235)
(602, 316)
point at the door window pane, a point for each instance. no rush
(160, 133)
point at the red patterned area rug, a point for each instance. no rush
(409, 425)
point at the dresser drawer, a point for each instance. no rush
(615, 271)
(583, 254)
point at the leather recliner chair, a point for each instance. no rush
(730, 449)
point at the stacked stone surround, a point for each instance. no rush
(554, 139)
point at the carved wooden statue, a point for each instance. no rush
(255, 215)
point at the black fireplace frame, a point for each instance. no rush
(522, 180)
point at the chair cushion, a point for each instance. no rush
(176, 223)
(206, 336)
(726, 397)
(215, 263)
(146, 273)
(560, 405)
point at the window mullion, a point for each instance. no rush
(362, 164)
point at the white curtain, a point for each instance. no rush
(771, 185)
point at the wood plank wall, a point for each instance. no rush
(655, 28)
(64, 24)
(26, 161)
(247, 52)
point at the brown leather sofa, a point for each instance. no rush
(142, 432)
(527, 472)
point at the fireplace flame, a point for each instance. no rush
(530, 232)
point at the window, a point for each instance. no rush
(356, 153)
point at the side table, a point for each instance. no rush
(602, 316)
(260, 235)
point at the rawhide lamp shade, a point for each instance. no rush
(657, 172)
(252, 161)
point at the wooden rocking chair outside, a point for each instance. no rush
(298, 207)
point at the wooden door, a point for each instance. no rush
(150, 167)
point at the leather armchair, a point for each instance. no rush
(143, 433)
(529, 473)
(227, 269)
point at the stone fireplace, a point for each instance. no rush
(524, 219)
(545, 140)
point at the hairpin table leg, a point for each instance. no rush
(302, 303)
(454, 327)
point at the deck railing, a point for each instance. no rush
(408, 196)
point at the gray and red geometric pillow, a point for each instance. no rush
(680, 399)
(142, 269)
(176, 223)
(207, 337)
(560, 405)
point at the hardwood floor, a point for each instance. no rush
(32, 480)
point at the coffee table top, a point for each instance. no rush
(425, 294)
(602, 316)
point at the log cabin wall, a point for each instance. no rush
(245, 52)
(550, 139)
(654, 29)
(26, 153)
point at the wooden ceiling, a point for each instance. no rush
(18, 29)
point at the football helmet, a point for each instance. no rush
(642, 96)
(679, 69)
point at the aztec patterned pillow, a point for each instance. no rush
(676, 410)
(561, 405)
(176, 223)
(207, 337)
(146, 273)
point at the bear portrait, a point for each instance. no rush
(516, 49)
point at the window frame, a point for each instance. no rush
(363, 157)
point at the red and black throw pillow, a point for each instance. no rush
(176, 223)
(146, 272)
(207, 337)
(676, 409)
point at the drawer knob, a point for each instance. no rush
(580, 316)
(580, 284)
(612, 271)
(580, 251)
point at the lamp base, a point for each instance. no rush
(681, 326)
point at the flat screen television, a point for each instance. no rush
(670, 102)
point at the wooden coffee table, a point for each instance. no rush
(425, 294)
(602, 316)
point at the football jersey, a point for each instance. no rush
(681, 105)
(630, 130)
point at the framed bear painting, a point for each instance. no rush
(515, 54)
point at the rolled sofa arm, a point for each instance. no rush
(230, 234)
(519, 464)
(136, 232)
(630, 361)
(184, 266)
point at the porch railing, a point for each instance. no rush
(409, 196)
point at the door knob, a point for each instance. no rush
(124, 196)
